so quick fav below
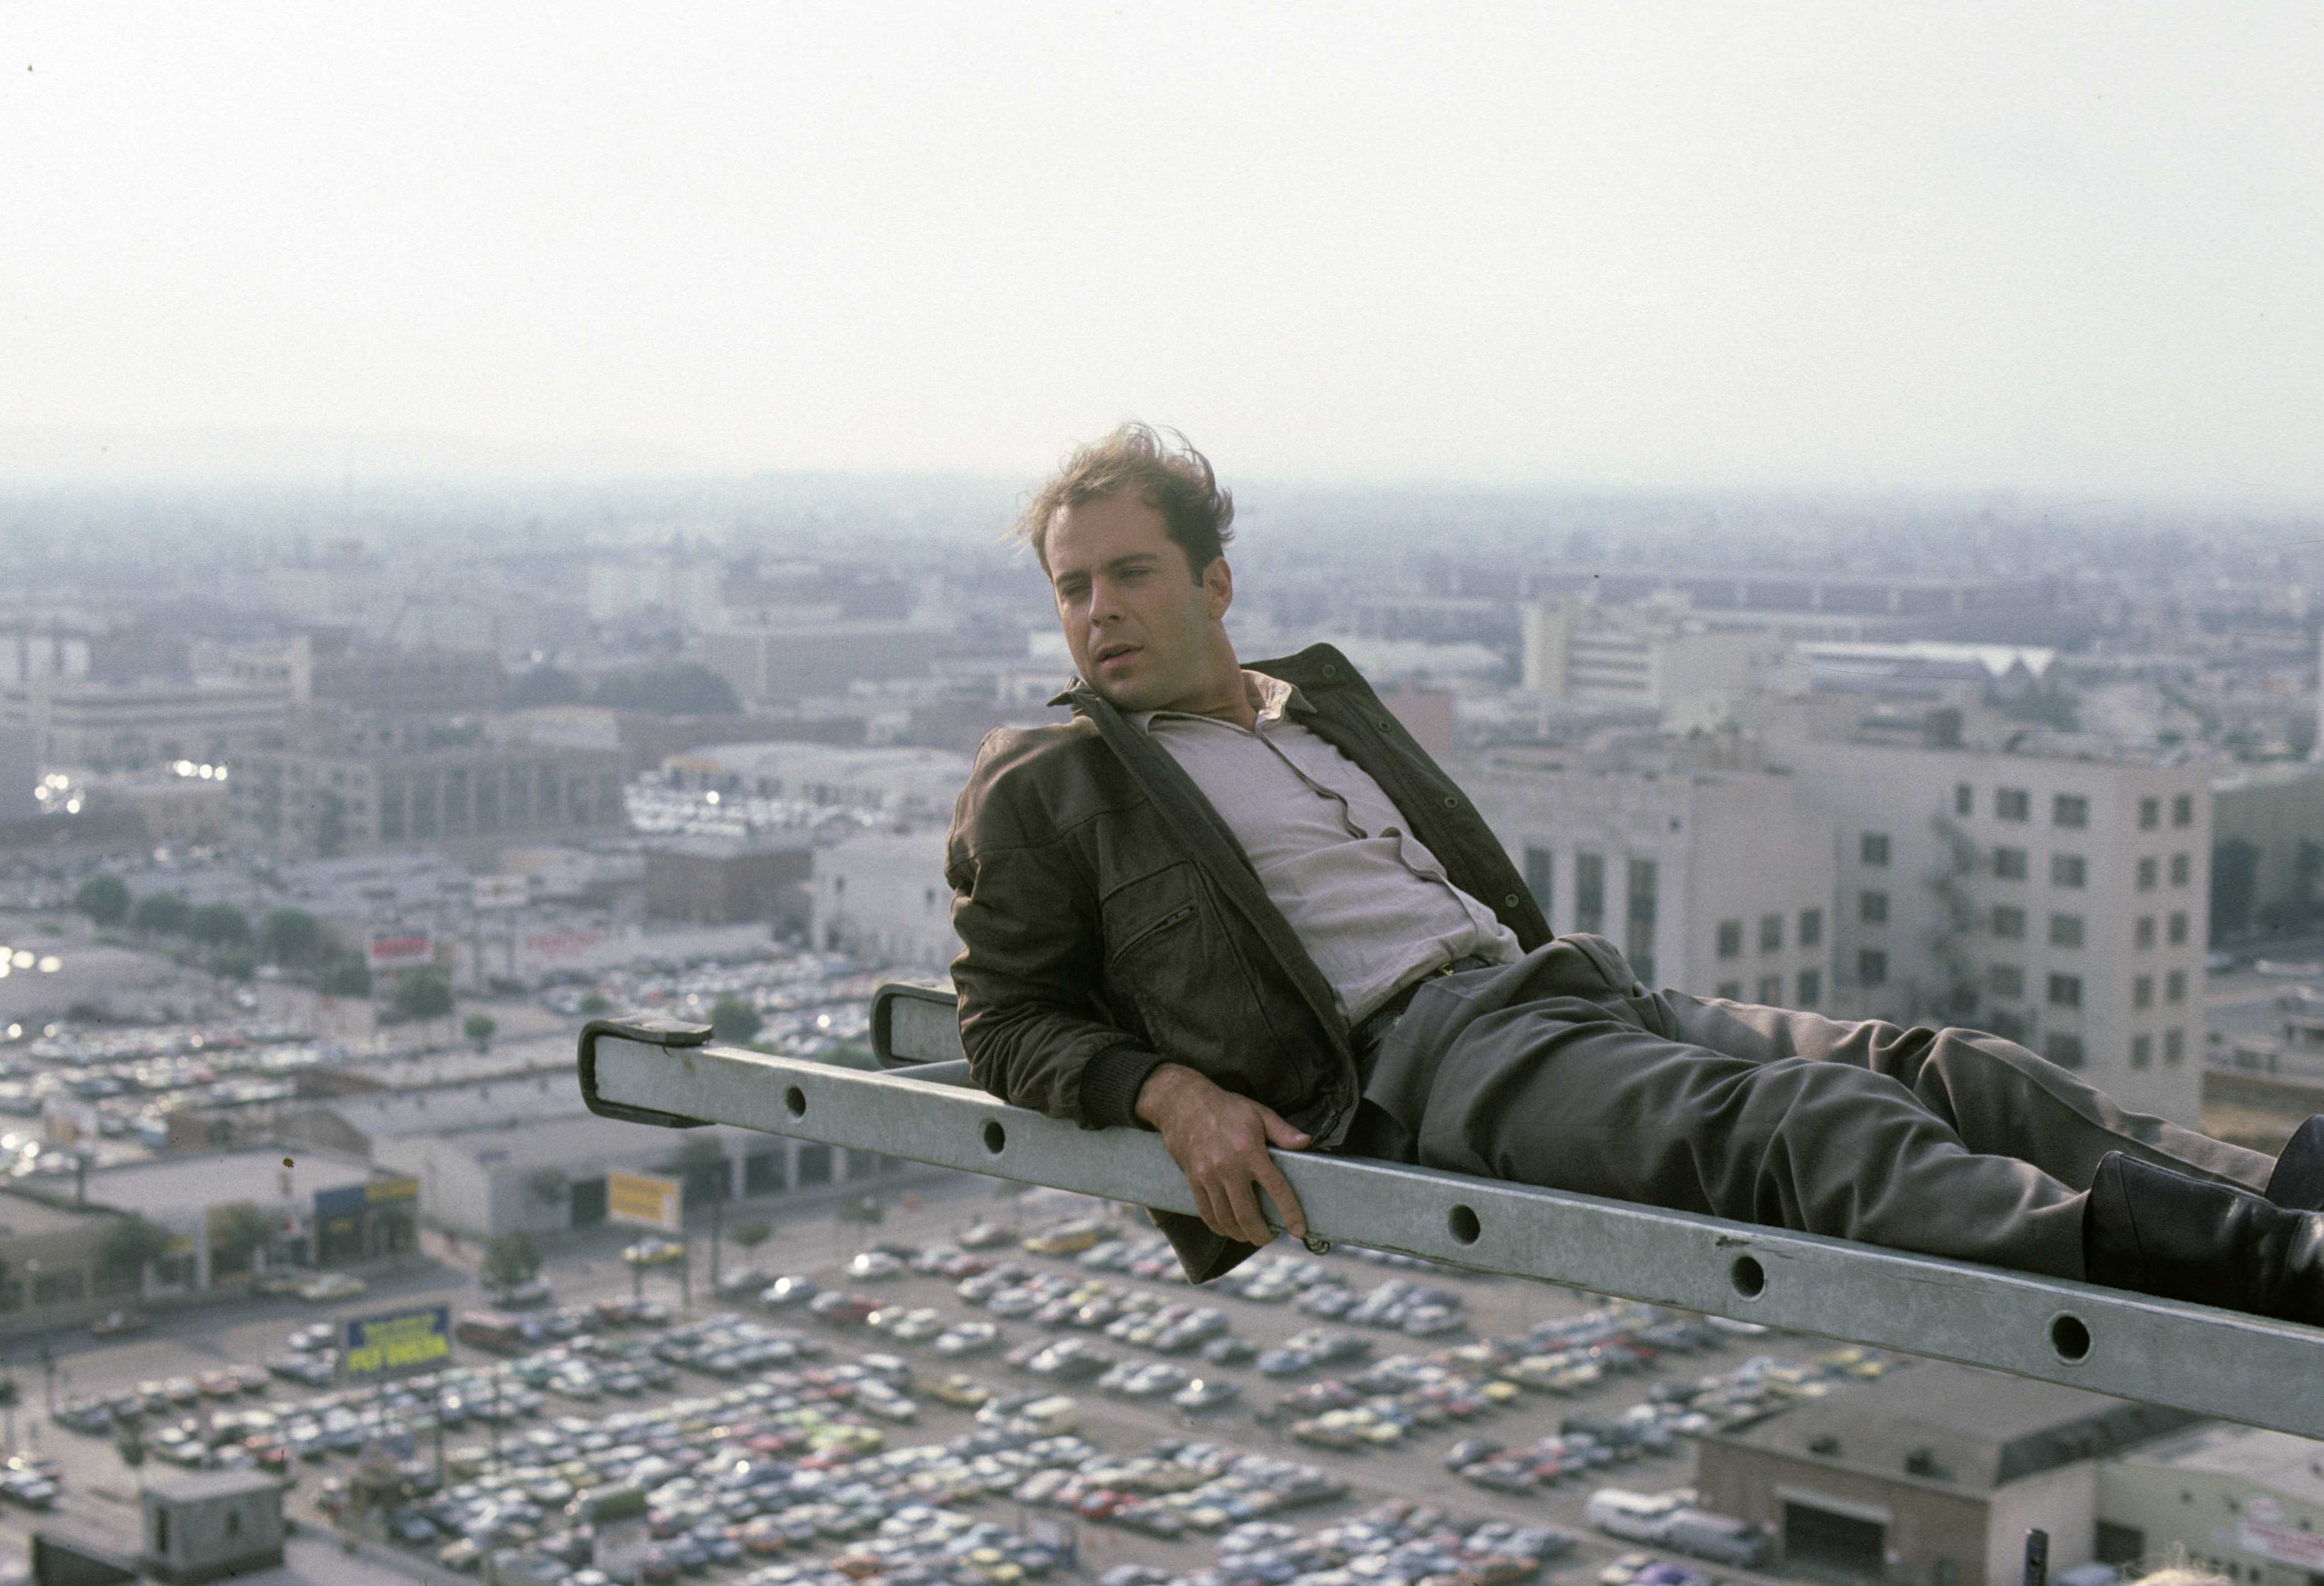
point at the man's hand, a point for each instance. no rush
(1218, 1141)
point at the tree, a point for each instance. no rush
(348, 977)
(158, 914)
(289, 937)
(701, 1164)
(479, 1027)
(543, 684)
(509, 1261)
(235, 963)
(2235, 886)
(669, 691)
(133, 1242)
(237, 1231)
(104, 898)
(422, 993)
(595, 1005)
(218, 924)
(749, 1235)
(734, 1020)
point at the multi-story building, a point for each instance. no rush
(110, 726)
(882, 896)
(1654, 659)
(1715, 883)
(769, 657)
(343, 786)
(2057, 898)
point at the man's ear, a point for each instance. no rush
(1218, 588)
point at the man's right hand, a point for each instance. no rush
(1219, 1141)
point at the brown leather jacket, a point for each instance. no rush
(1110, 920)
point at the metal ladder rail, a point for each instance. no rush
(2211, 1362)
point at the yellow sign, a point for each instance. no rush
(392, 1344)
(641, 1198)
(391, 1189)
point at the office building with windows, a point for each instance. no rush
(1718, 882)
(2057, 898)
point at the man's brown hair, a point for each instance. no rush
(1174, 479)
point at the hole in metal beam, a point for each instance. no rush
(2070, 1335)
(794, 1102)
(1461, 1223)
(1748, 1279)
(996, 1139)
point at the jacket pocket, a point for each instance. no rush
(1140, 915)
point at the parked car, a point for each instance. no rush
(113, 1322)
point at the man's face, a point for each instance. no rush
(1144, 632)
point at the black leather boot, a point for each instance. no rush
(2153, 1231)
(2298, 1180)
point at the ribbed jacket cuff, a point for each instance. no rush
(1110, 1081)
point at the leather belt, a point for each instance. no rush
(1366, 1037)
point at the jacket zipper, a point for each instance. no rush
(1164, 924)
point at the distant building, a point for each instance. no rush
(782, 662)
(344, 785)
(899, 783)
(2242, 1503)
(1854, 605)
(53, 1267)
(107, 725)
(322, 1211)
(1930, 1476)
(20, 771)
(208, 1525)
(544, 1173)
(718, 880)
(882, 896)
(173, 811)
(2057, 898)
(425, 679)
(1659, 661)
(1720, 883)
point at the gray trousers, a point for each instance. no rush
(1561, 1071)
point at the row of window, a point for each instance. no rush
(1771, 933)
(1590, 901)
(1808, 990)
(2066, 869)
(2066, 930)
(2065, 990)
(2071, 810)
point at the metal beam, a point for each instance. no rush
(2211, 1362)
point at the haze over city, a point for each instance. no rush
(2055, 249)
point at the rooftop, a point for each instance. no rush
(185, 1184)
(505, 1100)
(1957, 1426)
(2291, 1466)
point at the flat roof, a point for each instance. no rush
(1958, 1425)
(543, 1093)
(183, 1183)
(22, 1216)
(2277, 1461)
(584, 1142)
(196, 1485)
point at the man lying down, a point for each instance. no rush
(1238, 905)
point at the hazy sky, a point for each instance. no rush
(2058, 247)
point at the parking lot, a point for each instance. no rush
(958, 1406)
